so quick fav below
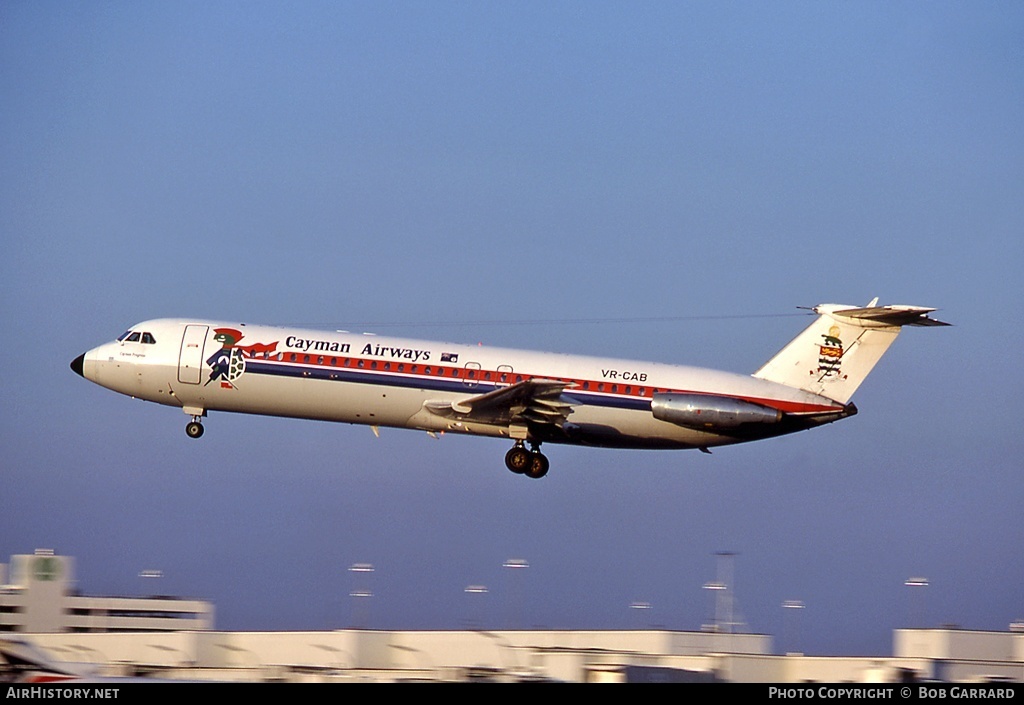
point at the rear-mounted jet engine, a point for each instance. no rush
(707, 412)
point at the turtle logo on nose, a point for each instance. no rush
(228, 363)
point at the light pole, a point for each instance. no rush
(515, 566)
(716, 588)
(154, 575)
(917, 585)
(361, 594)
(641, 609)
(726, 598)
(792, 607)
(471, 591)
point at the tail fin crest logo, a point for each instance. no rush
(830, 355)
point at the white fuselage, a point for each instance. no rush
(203, 366)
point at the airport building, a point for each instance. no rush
(354, 656)
(169, 638)
(37, 594)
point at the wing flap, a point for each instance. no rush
(536, 401)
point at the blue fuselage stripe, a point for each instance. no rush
(433, 383)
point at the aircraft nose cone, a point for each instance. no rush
(78, 363)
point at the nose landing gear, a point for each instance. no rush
(194, 429)
(531, 463)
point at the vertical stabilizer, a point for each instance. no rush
(836, 352)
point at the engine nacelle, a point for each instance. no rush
(709, 413)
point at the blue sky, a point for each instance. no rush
(333, 164)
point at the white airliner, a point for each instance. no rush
(23, 662)
(527, 397)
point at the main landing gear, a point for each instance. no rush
(531, 463)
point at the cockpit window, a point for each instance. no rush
(137, 337)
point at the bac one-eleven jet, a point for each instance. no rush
(529, 398)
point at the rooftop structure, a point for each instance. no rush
(37, 594)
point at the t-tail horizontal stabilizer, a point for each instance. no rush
(836, 352)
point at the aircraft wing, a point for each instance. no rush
(533, 401)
